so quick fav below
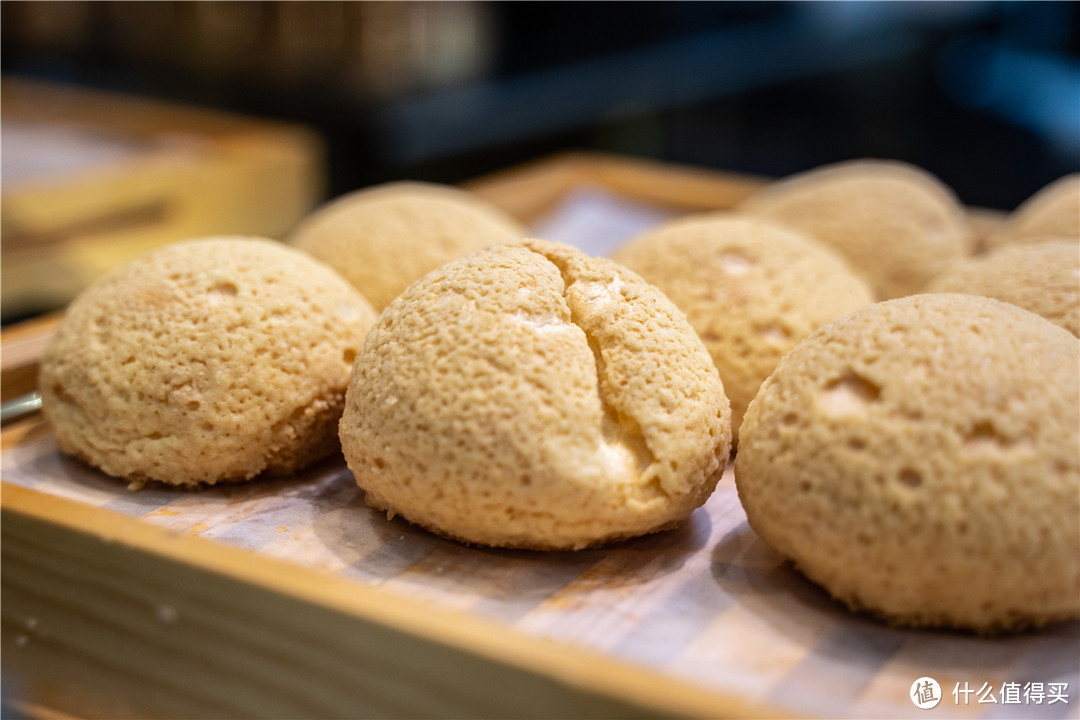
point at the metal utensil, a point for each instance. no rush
(20, 407)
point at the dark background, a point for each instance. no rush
(986, 95)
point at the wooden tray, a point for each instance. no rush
(292, 599)
(96, 604)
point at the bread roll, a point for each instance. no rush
(897, 225)
(918, 458)
(531, 396)
(385, 237)
(206, 361)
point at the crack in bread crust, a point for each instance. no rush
(618, 427)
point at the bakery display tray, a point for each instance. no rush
(291, 598)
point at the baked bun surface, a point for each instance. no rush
(385, 237)
(532, 396)
(918, 458)
(1053, 211)
(1040, 276)
(896, 224)
(750, 288)
(206, 361)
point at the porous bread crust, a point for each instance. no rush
(749, 287)
(206, 361)
(385, 237)
(918, 458)
(1053, 211)
(1040, 276)
(897, 225)
(531, 396)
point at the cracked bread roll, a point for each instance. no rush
(918, 458)
(750, 288)
(896, 224)
(531, 396)
(206, 361)
(1053, 211)
(1040, 276)
(384, 237)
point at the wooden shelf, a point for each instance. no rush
(168, 172)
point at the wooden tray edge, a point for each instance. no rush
(506, 666)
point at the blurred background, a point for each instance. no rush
(986, 95)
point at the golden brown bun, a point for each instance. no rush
(531, 396)
(918, 458)
(1054, 211)
(750, 288)
(383, 238)
(206, 361)
(897, 225)
(1040, 276)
